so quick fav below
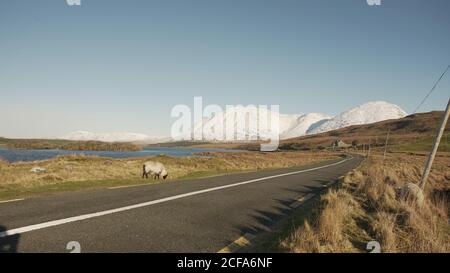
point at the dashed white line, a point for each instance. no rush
(12, 200)
(145, 204)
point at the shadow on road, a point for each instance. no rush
(8, 244)
(266, 219)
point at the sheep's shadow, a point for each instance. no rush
(8, 244)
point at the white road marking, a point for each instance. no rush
(12, 200)
(145, 204)
(126, 186)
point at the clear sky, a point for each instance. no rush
(121, 65)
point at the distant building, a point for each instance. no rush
(339, 144)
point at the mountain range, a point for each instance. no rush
(290, 125)
(113, 137)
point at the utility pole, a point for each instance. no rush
(386, 143)
(441, 130)
(368, 150)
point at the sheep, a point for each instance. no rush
(412, 191)
(156, 168)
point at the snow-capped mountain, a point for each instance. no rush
(225, 124)
(369, 112)
(216, 127)
(109, 137)
(303, 123)
(292, 125)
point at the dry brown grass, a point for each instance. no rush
(365, 208)
(66, 169)
(329, 233)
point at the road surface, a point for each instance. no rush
(203, 215)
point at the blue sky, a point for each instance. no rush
(122, 65)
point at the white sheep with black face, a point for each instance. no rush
(155, 168)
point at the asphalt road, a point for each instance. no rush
(202, 215)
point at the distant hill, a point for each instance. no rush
(413, 132)
(45, 144)
(113, 137)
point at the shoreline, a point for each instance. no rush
(145, 152)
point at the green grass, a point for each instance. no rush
(425, 144)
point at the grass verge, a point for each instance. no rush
(365, 208)
(71, 173)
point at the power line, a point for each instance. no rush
(432, 89)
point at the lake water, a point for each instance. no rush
(14, 155)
